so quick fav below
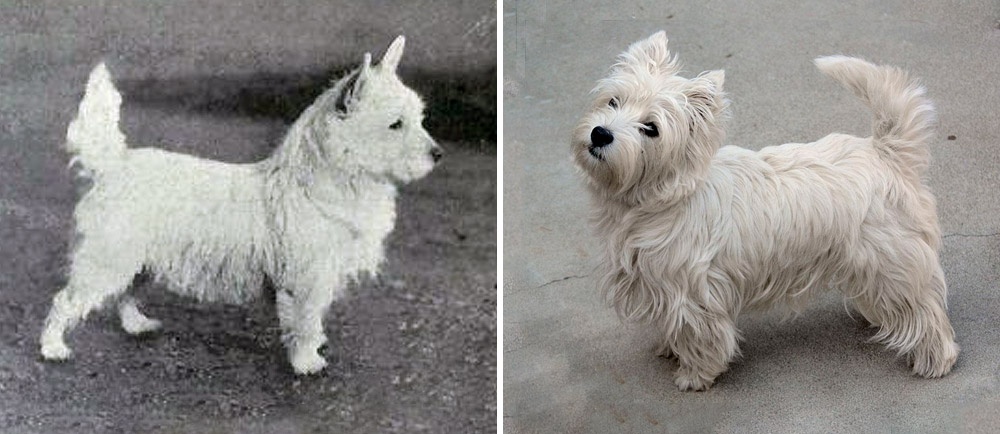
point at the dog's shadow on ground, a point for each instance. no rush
(461, 107)
(772, 349)
(829, 337)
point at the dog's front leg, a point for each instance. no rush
(704, 346)
(300, 313)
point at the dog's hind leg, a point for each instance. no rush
(937, 351)
(133, 320)
(905, 295)
(94, 278)
(300, 314)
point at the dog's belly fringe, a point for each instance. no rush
(201, 227)
(235, 276)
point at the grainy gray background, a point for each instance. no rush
(415, 352)
(570, 366)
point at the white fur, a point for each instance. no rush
(312, 217)
(693, 235)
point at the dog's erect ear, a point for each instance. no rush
(654, 53)
(706, 100)
(352, 89)
(717, 78)
(366, 65)
(391, 58)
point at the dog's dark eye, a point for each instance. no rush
(613, 103)
(396, 125)
(650, 129)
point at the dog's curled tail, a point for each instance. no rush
(94, 137)
(904, 117)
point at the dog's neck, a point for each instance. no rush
(327, 182)
(332, 194)
(613, 213)
(642, 197)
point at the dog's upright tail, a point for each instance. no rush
(904, 117)
(94, 137)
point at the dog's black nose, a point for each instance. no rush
(601, 137)
(436, 154)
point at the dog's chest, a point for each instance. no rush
(341, 231)
(363, 216)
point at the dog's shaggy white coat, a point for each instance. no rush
(695, 234)
(311, 217)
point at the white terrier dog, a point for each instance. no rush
(312, 217)
(693, 234)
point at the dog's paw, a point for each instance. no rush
(56, 351)
(934, 363)
(137, 326)
(309, 362)
(686, 381)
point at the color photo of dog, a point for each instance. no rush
(694, 233)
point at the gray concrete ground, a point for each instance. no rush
(412, 352)
(570, 366)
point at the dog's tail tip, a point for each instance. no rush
(94, 134)
(99, 73)
(824, 63)
(829, 64)
(100, 89)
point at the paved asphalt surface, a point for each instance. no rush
(571, 366)
(412, 352)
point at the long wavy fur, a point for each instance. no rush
(694, 233)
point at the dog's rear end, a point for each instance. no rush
(904, 292)
(199, 225)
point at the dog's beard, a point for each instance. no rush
(614, 171)
(616, 166)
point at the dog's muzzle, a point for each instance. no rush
(599, 138)
(437, 153)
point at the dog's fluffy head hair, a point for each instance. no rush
(367, 124)
(650, 133)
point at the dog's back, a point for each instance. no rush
(803, 215)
